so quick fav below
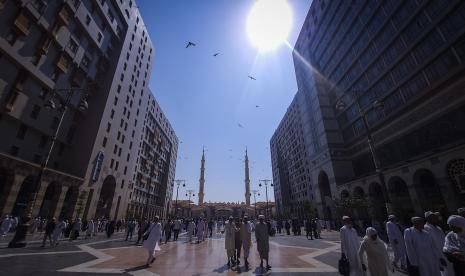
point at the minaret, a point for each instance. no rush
(202, 178)
(247, 179)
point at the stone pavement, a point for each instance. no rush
(289, 255)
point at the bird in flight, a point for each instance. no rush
(241, 126)
(215, 54)
(190, 44)
(252, 78)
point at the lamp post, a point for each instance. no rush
(341, 105)
(190, 193)
(265, 183)
(19, 239)
(254, 192)
(178, 183)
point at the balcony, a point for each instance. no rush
(64, 16)
(63, 63)
(22, 23)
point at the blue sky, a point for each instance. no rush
(206, 97)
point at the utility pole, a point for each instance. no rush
(265, 183)
(254, 192)
(178, 183)
(190, 193)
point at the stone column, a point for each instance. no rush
(61, 199)
(11, 198)
(40, 198)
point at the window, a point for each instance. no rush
(111, 163)
(85, 62)
(104, 142)
(108, 127)
(35, 111)
(88, 20)
(21, 132)
(73, 46)
(99, 37)
(118, 89)
(115, 102)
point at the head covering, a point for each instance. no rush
(261, 217)
(428, 214)
(417, 219)
(457, 221)
(391, 217)
(461, 210)
(371, 231)
(345, 217)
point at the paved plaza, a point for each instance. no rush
(289, 255)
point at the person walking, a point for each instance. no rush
(438, 236)
(454, 245)
(143, 224)
(422, 257)
(48, 231)
(6, 225)
(210, 227)
(246, 238)
(131, 225)
(262, 237)
(167, 228)
(308, 229)
(237, 241)
(90, 229)
(200, 230)
(150, 243)
(229, 240)
(58, 231)
(287, 225)
(190, 229)
(396, 240)
(350, 244)
(376, 252)
(176, 228)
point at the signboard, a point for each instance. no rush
(97, 166)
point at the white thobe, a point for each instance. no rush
(421, 252)
(5, 227)
(200, 230)
(438, 237)
(229, 239)
(57, 231)
(396, 240)
(151, 243)
(90, 228)
(350, 244)
(190, 230)
(377, 256)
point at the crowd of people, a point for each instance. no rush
(423, 249)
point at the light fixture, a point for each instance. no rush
(50, 104)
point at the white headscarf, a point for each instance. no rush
(456, 221)
(371, 231)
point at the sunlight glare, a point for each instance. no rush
(269, 23)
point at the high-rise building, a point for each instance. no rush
(151, 192)
(289, 158)
(392, 71)
(94, 50)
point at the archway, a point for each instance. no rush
(24, 196)
(49, 203)
(360, 206)
(6, 182)
(429, 192)
(400, 198)
(325, 193)
(106, 197)
(377, 201)
(69, 203)
(456, 173)
(345, 194)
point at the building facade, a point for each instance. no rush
(95, 50)
(152, 191)
(408, 55)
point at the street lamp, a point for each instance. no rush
(254, 192)
(178, 183)
(190, 193)
(19, 239)
(265, 182)
(341, 105)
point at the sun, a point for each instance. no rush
(269, 23)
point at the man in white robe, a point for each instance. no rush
(200, 230)
(90, 229)
(438, 236)
(263, 243)
(6, 225)
(57, 232)
(396, 240)
(350, 244)
(153, 235)
(246, 237)
(376, 252)
(190, 230)
(421, 252)
(229, 240)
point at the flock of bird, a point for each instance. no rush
(192, 44)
